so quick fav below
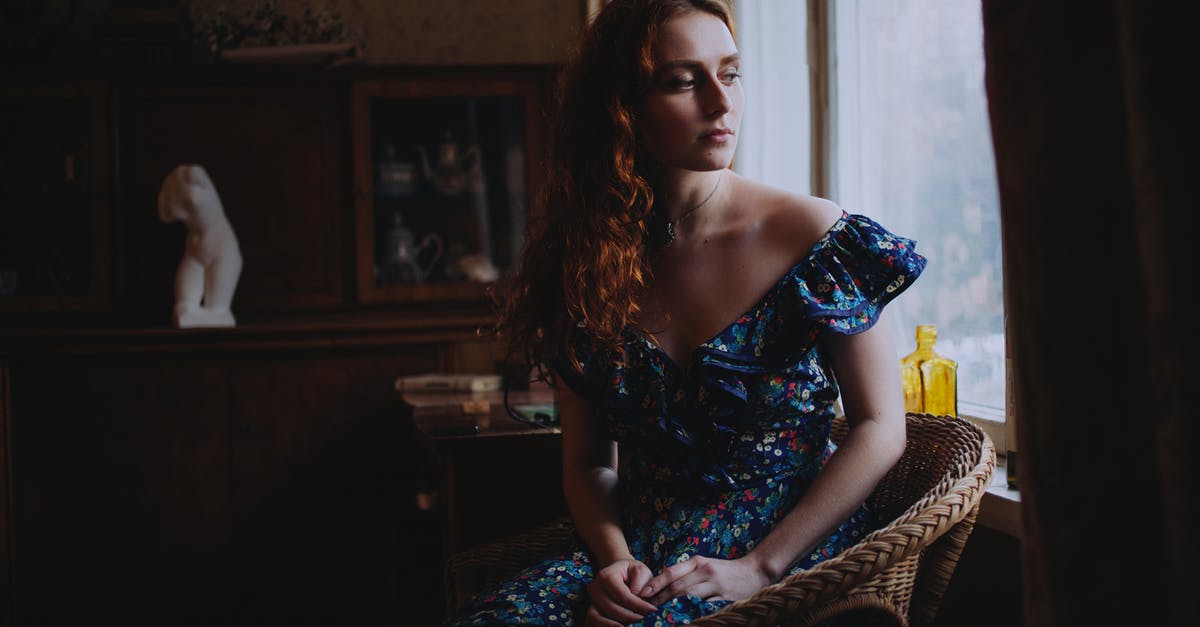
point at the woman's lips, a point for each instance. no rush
(719, 135)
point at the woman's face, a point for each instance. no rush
(689, 119)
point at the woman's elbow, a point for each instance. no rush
(886, 439)
(895, 441)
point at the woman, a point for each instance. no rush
(725, 480)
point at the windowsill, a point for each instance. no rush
(990, 419)
(1000, 509)
(1001, 506)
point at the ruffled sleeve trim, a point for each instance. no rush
(856, 269)
(841, 286)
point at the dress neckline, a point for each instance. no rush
(753, 310)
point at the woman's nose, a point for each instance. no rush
(717, 101)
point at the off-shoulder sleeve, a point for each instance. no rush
(852, 273)
(586, 381)
(577, 381)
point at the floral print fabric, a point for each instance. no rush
(715, 451)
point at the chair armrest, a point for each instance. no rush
(887, 561)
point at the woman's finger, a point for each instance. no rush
(613, 599)
(677, 588)
(613, 609)
(623, 591)
(668, 576)
(639, 576)
(593, 618)
(618, 594)
(707, 590)
(633, 602)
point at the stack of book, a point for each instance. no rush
(440, 382)
(464, 404)
(453, 398)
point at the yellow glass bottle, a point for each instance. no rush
(930, 380)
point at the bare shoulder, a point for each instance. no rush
(788, 223)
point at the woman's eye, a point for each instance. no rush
(730, 77)
(680, 82)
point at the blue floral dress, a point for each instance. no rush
(714, 454)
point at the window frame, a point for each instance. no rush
(823, 88)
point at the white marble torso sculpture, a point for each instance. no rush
(212, 262)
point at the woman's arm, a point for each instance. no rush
(868, 372)
(589, 468)
(590, 486)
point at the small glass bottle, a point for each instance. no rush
(393, 176)
(930, 380)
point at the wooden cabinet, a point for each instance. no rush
(445, 172)
(120, 499)
(262, 474)
(348, 190)
(235, 477)
(502, 466)
(321, 466)
(54, 196)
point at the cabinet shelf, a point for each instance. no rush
(444, 173)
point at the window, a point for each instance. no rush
(900, 132)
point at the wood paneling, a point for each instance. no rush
(120, 490)
(274, 153)
(320, 478)
(265, 486)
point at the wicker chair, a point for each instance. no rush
(925, 509)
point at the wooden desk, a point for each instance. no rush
(504, 478)
(439, 424)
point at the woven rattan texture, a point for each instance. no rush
(925, 510)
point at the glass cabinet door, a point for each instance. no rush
(444, 174)
(53, 200)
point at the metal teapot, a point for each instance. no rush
(403, 256)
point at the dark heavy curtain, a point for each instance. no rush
(1092, 107)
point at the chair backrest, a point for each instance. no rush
(925, 509)
(947, 461)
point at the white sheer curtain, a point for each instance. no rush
(775, 140)
(913, 150)
(910, 146)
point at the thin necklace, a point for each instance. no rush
(669, 233)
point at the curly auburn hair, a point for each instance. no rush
(587, 261)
